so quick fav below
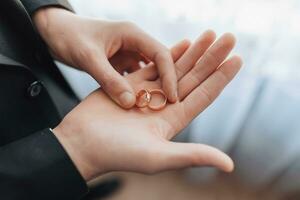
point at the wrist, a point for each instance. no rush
(43, 18)
(74, 148)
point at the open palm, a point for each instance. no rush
(110, 138)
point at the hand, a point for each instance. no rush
(105, 50)
(101, 137)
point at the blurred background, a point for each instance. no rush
(256, 119)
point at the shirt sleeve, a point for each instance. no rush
(32, 5)
(37, 167)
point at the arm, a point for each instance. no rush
(101, 137)
(105, 50)
(37, 167)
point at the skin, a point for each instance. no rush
(101, 137)
(105, 50)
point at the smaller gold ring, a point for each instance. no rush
(143, 98)
(160, 106)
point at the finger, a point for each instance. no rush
(202, 96)
(158, 54)
(187, 57)
(182, 155)
(194, 52)
(144, 59)
(206, 65)
(115, 85)
(150, 72)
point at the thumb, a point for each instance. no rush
(114, 84)
(183, 155)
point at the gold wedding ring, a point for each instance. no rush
(161, 104)
(143, 98)
(155, 100)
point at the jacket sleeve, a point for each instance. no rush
(37, 167)
(32, 5)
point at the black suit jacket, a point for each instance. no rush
(33, 97)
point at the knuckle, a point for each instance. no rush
(199, 73)
(162, 53)
(127, 30)
(211, 59)
(126, 24)
(206, 93)
(222, 77)
(192, 159)
(195, 78)
(179, 71)
(196, 160)
(109, 81)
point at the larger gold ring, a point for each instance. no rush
(161, 105)
(143, 98)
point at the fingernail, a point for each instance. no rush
(175, 95)
(173, 98)
(127, 99)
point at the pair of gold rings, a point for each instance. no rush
(154, 99)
